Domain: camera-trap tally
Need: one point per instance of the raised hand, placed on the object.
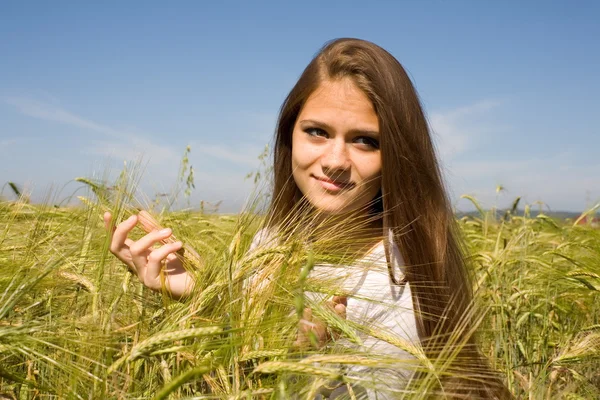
(157, 268)
(312, 326)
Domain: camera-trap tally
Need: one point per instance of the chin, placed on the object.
(331, 206)
(331, 210)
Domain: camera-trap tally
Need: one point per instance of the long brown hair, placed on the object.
(415, 204)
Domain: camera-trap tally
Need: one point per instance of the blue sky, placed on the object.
(510, 88)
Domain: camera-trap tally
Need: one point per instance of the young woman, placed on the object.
(353, 144)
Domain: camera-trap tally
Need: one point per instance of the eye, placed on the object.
(367, 141)
(316, 132)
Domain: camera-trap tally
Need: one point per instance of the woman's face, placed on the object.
(336, 160)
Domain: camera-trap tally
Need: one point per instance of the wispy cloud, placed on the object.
(562, 180)
(457, 130)
(113, 142)
(50, 112)
(4, 144)
(126, 145)
(245, 156)
(559, 180)
(160, 162)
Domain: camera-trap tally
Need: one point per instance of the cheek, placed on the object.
(299, 164)
(295, 150)
(372, 179)
(303, 154)
(371, 170)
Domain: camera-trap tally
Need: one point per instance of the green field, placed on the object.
(75, 324)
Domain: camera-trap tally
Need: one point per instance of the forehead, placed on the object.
(340, 100)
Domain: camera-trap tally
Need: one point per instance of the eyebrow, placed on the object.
(328, 127)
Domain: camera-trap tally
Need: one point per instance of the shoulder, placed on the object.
(381, 302)
(264, 237)
(386, 253)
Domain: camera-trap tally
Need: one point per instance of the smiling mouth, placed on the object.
(332, 185)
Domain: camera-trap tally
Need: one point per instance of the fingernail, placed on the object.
(165, 231)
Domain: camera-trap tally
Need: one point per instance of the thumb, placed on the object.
(107, 217)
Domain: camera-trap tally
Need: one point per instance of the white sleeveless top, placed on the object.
(374, 301)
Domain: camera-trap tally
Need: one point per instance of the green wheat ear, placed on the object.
(73, 320)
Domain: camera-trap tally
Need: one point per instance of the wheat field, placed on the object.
(75, 324)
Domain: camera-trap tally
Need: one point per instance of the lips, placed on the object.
(333, 185)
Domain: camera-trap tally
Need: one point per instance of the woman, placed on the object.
(353, 144)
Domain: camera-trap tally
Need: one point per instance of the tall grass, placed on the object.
(540, 279)
(75, 324)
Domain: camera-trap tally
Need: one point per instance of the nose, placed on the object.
(336, 157)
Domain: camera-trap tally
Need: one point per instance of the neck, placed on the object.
(353, 233)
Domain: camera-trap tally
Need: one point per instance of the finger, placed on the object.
(151, 239)
(301, 340)
(172, 257)
(305, 324)
(154, 265)
(340, 310)
(107, 218)
(307, 314)
(121, 232)
(340, 300)
(143, 247)
(312, 330)
(320, 332)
